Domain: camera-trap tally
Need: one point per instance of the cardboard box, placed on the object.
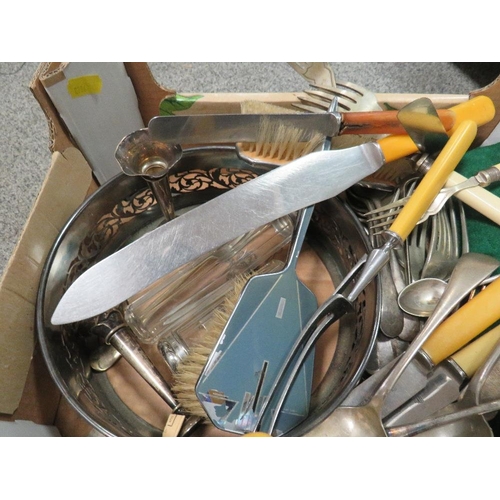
(27, 389)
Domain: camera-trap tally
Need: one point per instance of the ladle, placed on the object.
(366, 420)
(420, 297)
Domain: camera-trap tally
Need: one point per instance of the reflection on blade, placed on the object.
(303, 182)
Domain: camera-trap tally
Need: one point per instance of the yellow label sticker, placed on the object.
(84, 85)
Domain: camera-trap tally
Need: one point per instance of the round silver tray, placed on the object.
(122, 210)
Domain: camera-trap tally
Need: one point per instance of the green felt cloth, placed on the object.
(484, 235)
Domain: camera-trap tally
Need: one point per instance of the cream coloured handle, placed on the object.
(473, 355)
(474, 317)
(478, 198)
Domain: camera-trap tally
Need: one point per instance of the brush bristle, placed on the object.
(278, 143)
(392, 174)
(191, 366)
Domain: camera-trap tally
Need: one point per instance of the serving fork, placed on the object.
(320, 76)
(351, 97)
(388, 212)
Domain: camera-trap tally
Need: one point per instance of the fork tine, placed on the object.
(382, 219)
(380, 232)
(310, 102)
(307, 108)
(322, 96)
(328, 92)
(425, 217)
(383, 216)
(352, 86)
(388, 206)
(385, 223)
(351, 97)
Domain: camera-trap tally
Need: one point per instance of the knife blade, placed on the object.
(221, 128)
(224, 128)
(303, 182)
(455, 332)
(446, 380)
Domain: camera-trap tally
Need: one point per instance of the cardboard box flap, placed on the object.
(149, 92)
(59, 136)
(98, 105)
(64, 189)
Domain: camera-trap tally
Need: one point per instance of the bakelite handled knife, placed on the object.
(294, 186)
(468, 322)
(445, 381)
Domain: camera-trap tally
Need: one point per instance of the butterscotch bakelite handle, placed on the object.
(434, 179)
(480, 110)
(473, 355)
(387, 122)
(473, 318)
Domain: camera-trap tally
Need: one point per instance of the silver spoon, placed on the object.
(411, 324)
(420, 297)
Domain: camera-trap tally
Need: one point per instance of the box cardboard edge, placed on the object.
(19, 282)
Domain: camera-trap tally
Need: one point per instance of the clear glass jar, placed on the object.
(183, 298)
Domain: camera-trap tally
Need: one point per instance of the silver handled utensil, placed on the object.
(446, 381)
(431, 423)
(112, 329)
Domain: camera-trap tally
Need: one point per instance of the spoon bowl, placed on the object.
(356, 421)
(420, 297)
